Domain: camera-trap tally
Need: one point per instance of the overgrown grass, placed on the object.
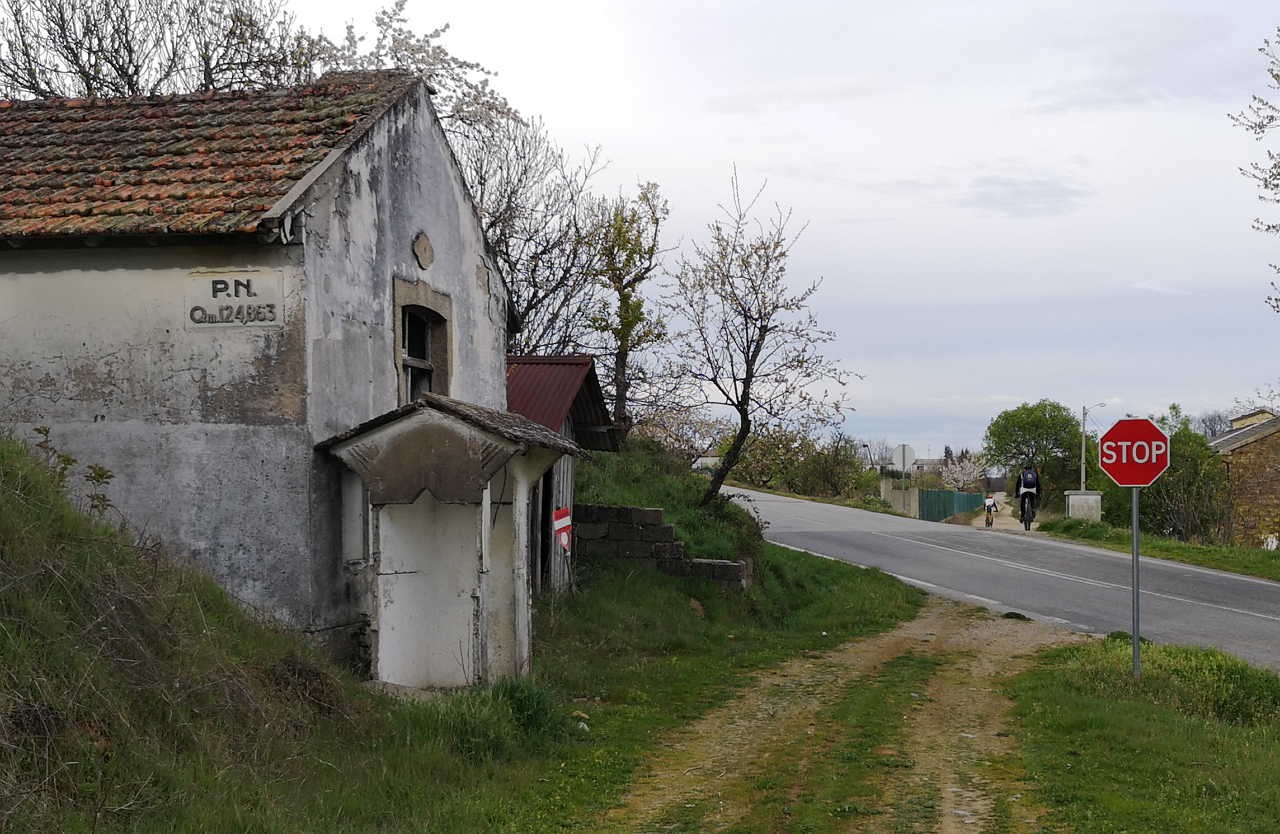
(643, 475)
(1246, 560)
(136, 696)
(1192, 747)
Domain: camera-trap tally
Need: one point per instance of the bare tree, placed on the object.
(106, 48)
(1260, 118)
(544, 225)
(630, 254)
(750, 343)
(881, 451)
(463, 97)
(78, 48)
(1212, 423)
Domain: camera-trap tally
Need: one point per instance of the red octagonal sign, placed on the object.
(1134, 452)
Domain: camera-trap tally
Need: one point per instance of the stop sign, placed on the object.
(1134, 452)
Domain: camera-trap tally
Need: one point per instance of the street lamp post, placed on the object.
(1084, 433)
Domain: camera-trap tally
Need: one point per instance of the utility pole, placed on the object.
(1084, 433)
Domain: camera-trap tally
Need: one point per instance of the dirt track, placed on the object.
(950, 748)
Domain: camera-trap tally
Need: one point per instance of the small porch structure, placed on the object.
(436, 533)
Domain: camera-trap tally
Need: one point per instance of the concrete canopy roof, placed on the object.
(448, 447)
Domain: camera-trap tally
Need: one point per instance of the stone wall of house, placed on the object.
(1255, 491)
(640, 535)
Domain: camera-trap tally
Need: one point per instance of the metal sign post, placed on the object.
(1137, 639)
(1134, 453)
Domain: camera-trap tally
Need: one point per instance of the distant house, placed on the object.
(1251, 450)
(563, 394)
(273, 315)
(927, 465)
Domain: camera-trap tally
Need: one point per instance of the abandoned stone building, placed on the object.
(273, 315)
(1251, 451)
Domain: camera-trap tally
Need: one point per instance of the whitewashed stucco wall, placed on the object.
(204, 427)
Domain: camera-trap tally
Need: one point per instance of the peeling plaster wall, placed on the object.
(204, 428)
(359, 223)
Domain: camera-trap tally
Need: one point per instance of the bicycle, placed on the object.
(1027, 513)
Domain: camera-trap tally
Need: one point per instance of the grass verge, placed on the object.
(1192, 747)
(1264, 564)
(136, 696)
(870, 503)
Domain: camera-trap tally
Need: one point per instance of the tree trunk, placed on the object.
(729, 460)
(621, 390)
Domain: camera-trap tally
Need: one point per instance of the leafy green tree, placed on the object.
(628, 256)
(1189, 501)
(1044, 433)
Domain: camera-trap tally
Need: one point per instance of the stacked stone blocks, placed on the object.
(640, 534)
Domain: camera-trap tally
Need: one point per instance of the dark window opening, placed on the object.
(415, 357)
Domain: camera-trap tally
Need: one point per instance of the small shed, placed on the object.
(562, 393)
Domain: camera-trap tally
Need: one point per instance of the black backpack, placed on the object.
(1030, 480)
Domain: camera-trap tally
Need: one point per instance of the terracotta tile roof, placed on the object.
(192, 164)
(549, 389)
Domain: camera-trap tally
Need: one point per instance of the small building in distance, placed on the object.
(1251, 451)
(923, 466)
(274, 316)
(563, 394)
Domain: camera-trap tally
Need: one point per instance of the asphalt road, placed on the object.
(1082, 588)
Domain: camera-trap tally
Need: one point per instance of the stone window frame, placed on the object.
(410, 297)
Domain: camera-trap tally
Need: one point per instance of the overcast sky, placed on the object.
(1007, 199)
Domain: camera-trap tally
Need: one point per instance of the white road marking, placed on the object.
(1089, 550)
(1083, 580)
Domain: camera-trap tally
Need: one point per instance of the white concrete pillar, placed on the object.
(480, 633)
(520, 570)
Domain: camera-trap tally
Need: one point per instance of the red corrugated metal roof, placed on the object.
(546, 388)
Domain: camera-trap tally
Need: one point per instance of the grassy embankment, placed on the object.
(1193, 747)
(135, 695)
(870, 503)
(1247, 560)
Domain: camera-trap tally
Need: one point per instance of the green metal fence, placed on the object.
(937, 504)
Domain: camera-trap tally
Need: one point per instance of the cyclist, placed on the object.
(1028, 495)
(990, 504)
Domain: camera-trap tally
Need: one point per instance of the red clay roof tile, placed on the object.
(207, 163)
